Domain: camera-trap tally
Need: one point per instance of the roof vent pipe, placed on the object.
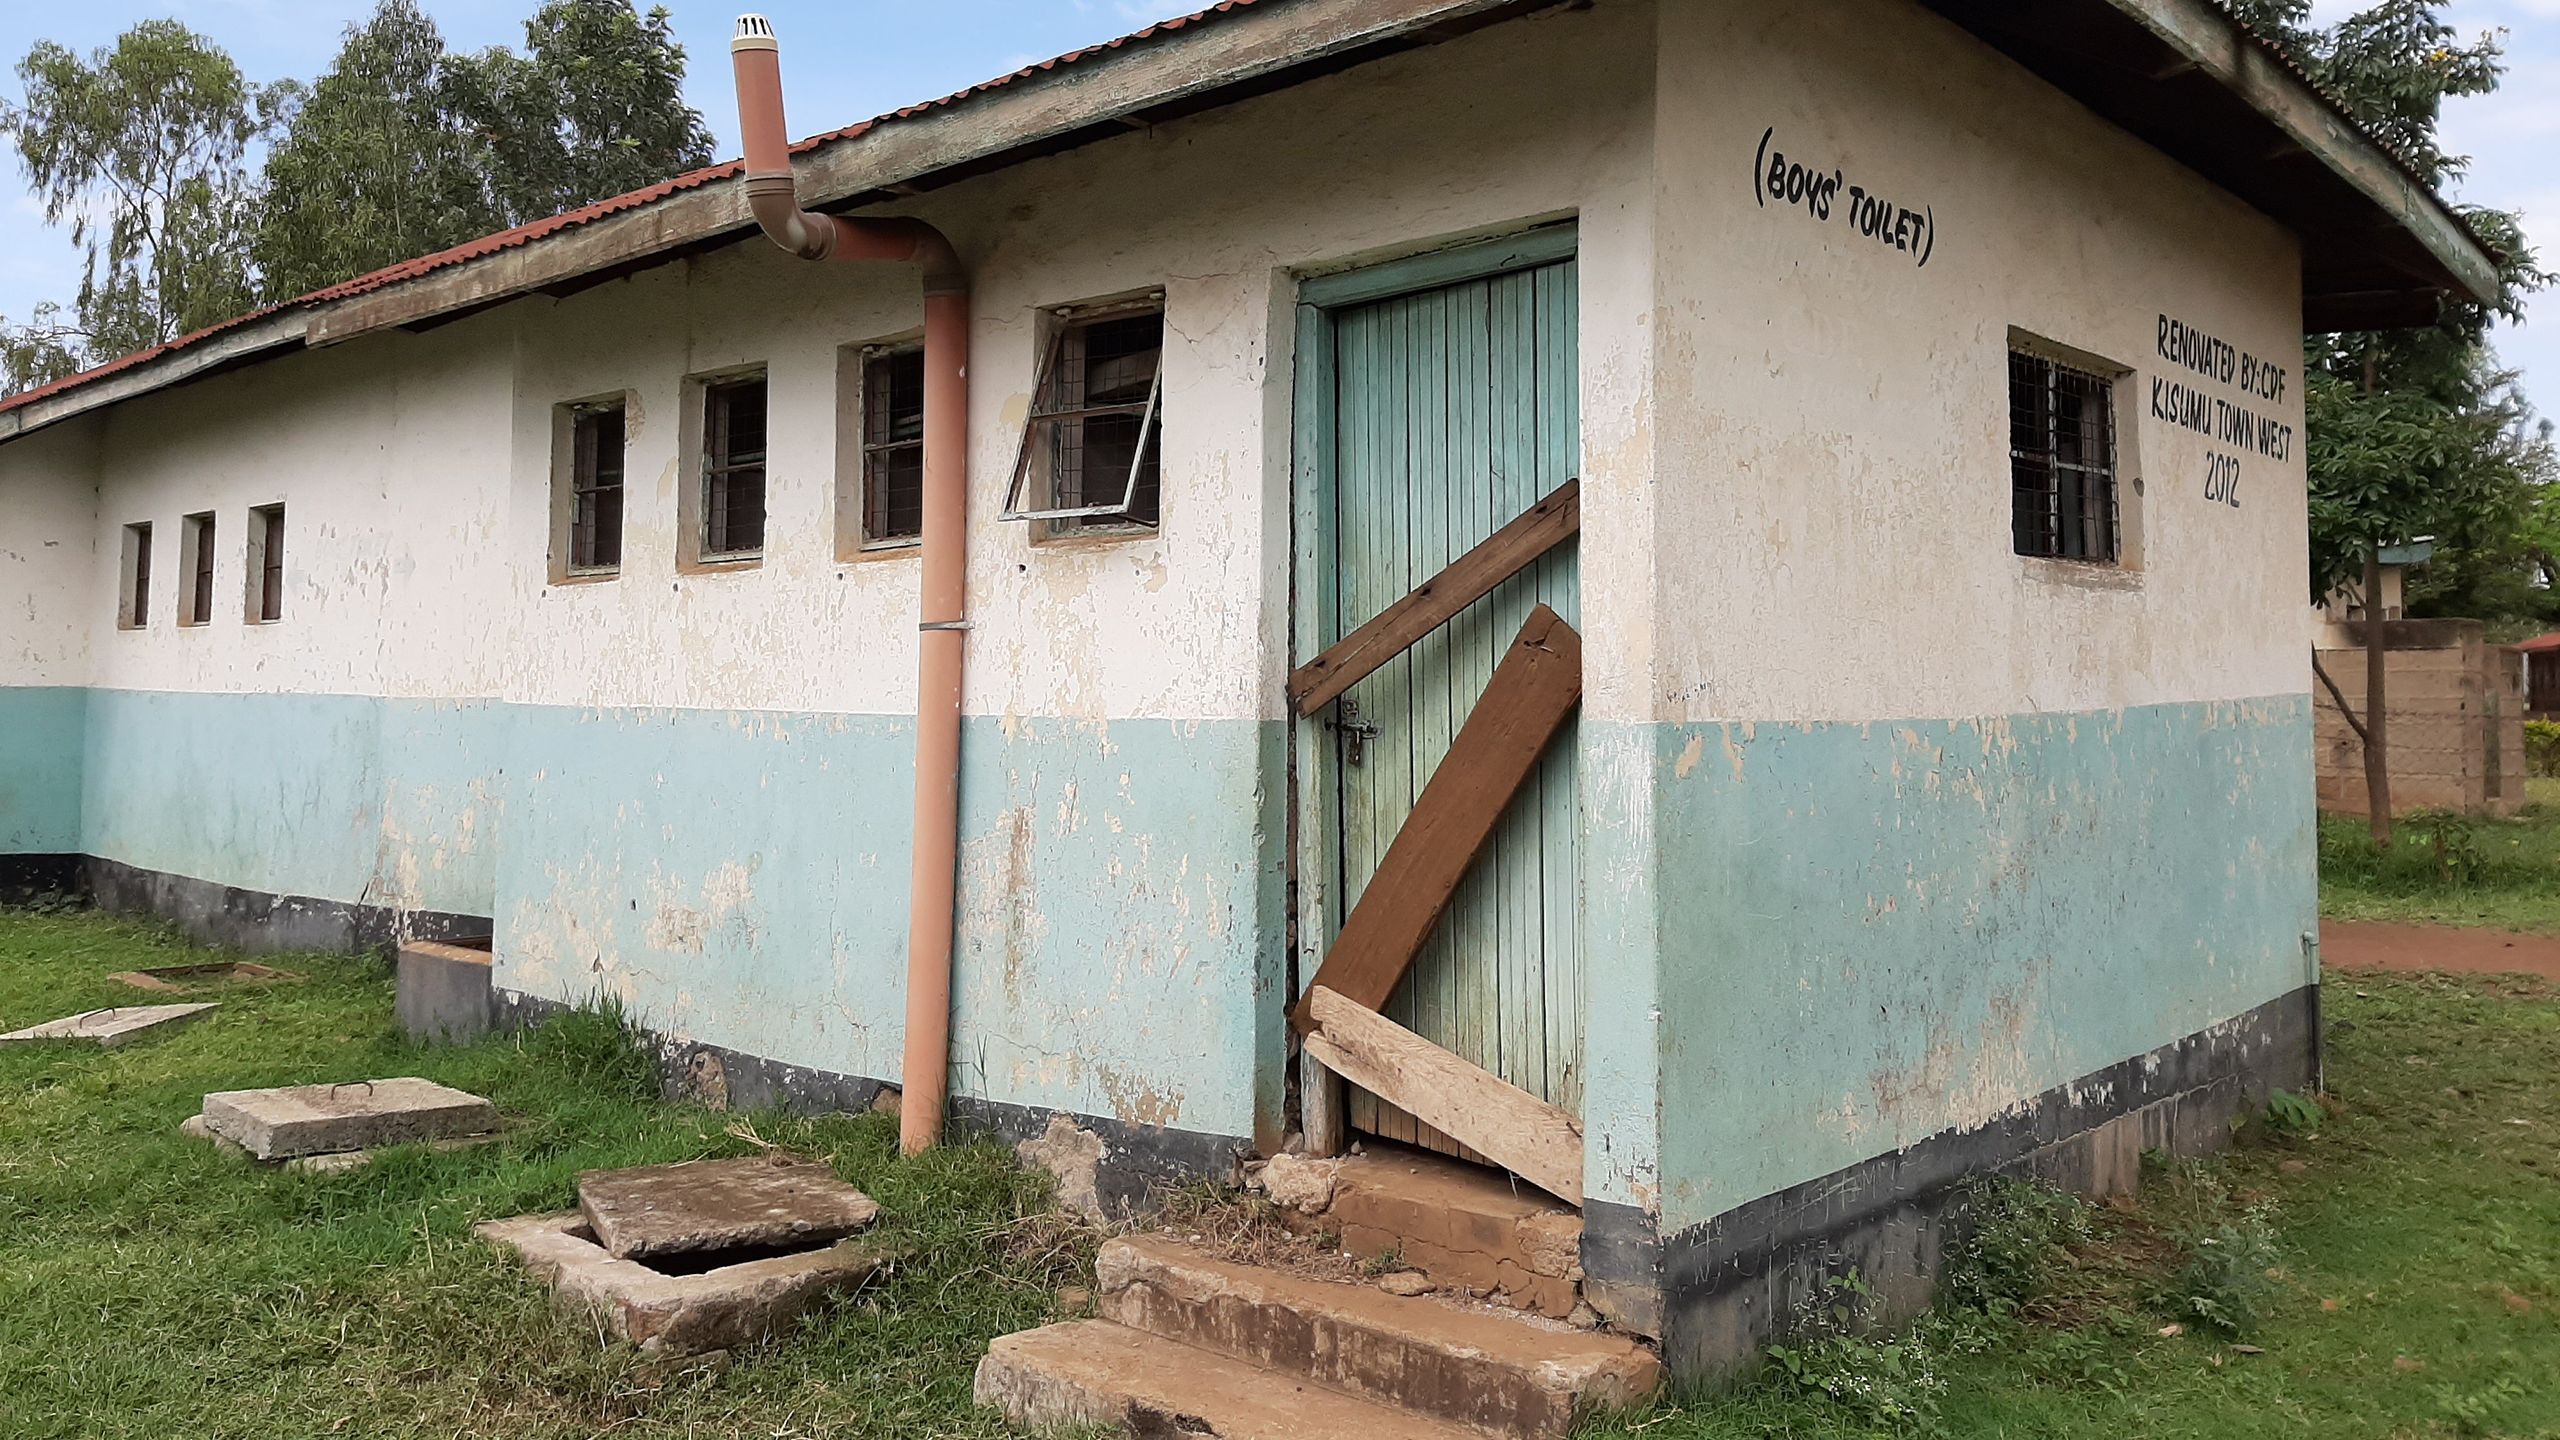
(773, 195)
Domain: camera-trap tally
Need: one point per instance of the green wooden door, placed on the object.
(1453, 409)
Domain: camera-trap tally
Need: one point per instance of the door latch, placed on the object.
(1354, 734)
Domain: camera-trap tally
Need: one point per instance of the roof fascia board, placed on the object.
(269, 333)
(2204, 35)
(1186, 64)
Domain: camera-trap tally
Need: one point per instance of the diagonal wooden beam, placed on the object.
(1532, 691)
(1500, 1121)
(1504, 553)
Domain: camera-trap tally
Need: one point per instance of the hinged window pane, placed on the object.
(1091, 450)
(595, 488)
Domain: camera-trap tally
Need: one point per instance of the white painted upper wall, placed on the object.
(416, 469)
(1795, 473)
(48, 551)
(1833, 530)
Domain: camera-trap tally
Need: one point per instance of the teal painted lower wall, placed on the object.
(339, 797)
(1869, 933)
(40, 761)
(1806, 945)
(740, 878)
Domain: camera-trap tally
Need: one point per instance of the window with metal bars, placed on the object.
(2062, 460)
(733, 473)
(1091, 449)
(596, 435)
(198, 555)
(892, 446)
(133, 604)
(266, 563)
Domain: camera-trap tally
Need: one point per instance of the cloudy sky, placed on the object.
(890, 52)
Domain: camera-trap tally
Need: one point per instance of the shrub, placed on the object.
(2542, 747)
(1890, 1385)
(2014, 1240)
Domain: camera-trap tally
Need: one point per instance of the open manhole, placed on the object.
(181, 977)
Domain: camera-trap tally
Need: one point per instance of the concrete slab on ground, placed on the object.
(112, 1027)
(195, 1128)
(681, 1314)
(331, 1119)
(707, 1205)
(1093, 1372)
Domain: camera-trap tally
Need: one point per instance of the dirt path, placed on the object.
(2380, 945)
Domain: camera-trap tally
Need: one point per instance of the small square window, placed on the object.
(596, 448)
(2062, 461)
(892, 446)
(133, 592)
(195, 562)
(266, 564)
(1092, 448)
(733, 469)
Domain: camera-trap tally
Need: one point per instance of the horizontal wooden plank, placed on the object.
(1532, 691)
(1467, 579)
(1506, 1124)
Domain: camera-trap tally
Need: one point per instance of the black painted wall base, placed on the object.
(1717, 1293)
(213, 914)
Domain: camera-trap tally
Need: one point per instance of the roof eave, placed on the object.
(2381, 249)
(1248, 50)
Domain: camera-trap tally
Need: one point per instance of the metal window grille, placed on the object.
(140, 594)
(595, 488)
(270, 577)
(733, 471)
(2062, 460)
(893, 445)
(1091, 449)
(200, 580)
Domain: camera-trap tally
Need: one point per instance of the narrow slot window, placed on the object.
(266, 564)
(1092, 449)
(196, 561)
(133, 597)
(893, 447)
(733, 472)
(596, 438)
(2062, 461)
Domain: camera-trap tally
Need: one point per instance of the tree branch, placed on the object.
(2352, 722)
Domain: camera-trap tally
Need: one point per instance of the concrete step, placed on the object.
(1460, 1224)
(1092, 1372)
(1472, 1364)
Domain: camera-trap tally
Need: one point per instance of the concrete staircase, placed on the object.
(1190, 1344)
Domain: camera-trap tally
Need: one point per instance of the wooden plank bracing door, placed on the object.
(1452, 410)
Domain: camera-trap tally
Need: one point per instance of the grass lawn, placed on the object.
(2501, 873)
(150, 1286)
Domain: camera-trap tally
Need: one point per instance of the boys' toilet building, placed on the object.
(1940, 795)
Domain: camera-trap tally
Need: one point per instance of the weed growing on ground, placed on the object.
(2448, 867)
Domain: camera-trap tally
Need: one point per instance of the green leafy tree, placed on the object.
(405, 147)
(139, 149)
(594, 107)
(378, 161)
(2408, 431)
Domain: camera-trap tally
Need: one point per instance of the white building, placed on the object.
(1940, 795)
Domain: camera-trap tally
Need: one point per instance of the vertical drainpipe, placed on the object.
(942, 603)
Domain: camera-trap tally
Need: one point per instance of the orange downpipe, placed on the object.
(942, 609)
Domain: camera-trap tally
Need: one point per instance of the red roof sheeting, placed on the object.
(2540, 643)
(488, 245)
